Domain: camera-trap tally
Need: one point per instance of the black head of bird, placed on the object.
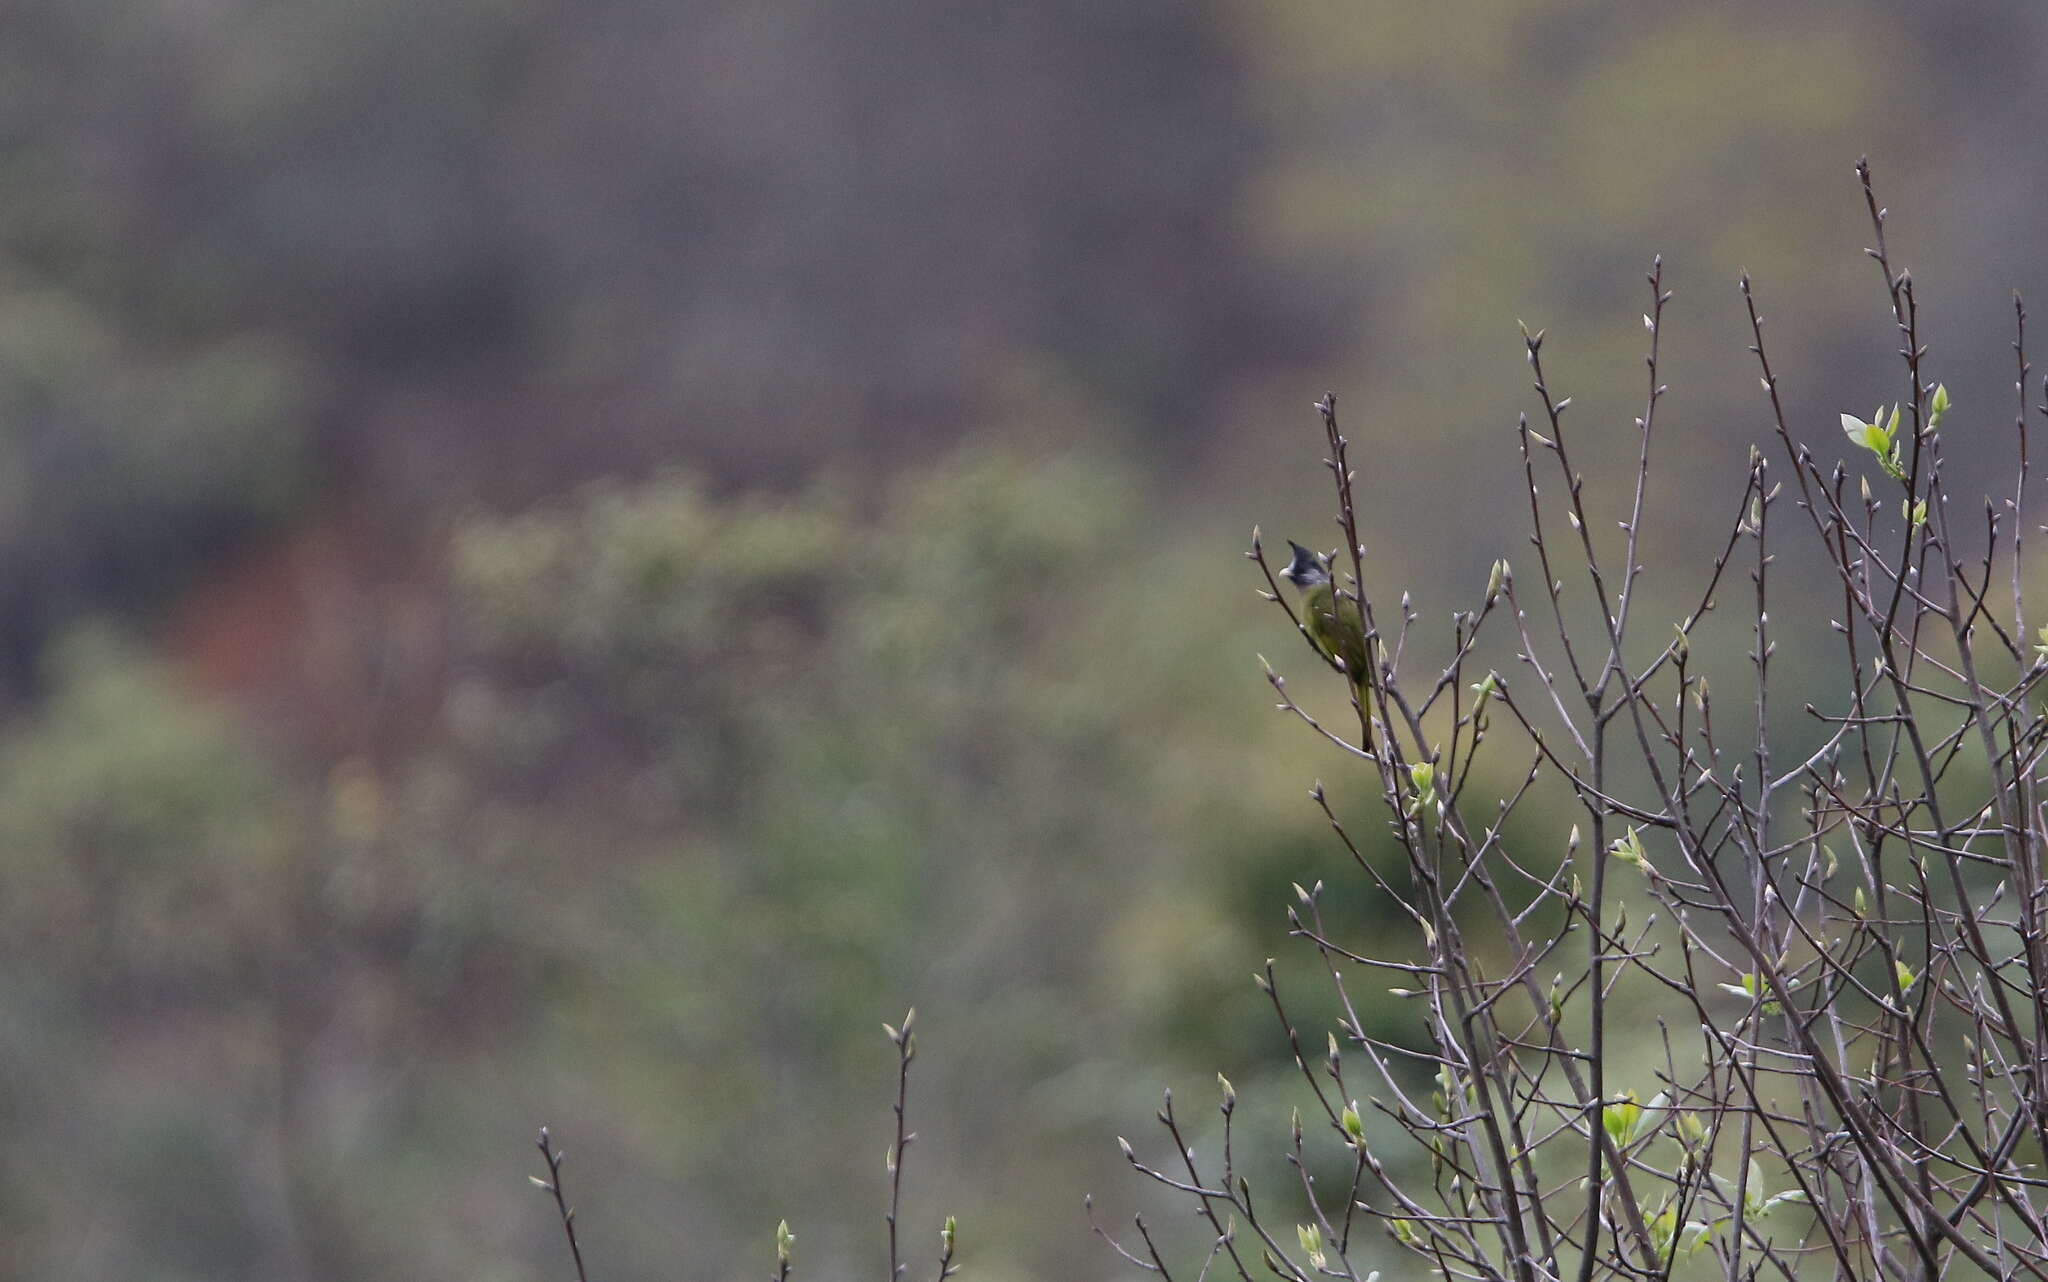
(1307, 569)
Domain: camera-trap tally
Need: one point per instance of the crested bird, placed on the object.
(1335, 631)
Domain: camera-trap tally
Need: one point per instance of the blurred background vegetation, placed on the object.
(562, 562)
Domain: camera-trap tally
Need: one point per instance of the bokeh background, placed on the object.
(561, 562)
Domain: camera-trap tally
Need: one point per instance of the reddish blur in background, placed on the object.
(561, 562)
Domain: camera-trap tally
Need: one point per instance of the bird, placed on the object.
(1336, 632)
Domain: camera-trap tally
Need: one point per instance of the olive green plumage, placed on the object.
(1334, 630)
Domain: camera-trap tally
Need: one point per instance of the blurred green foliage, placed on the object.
(146, 838)
(716, 786)
(125, 463)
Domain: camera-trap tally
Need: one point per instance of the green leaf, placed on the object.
(1621, 1119)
